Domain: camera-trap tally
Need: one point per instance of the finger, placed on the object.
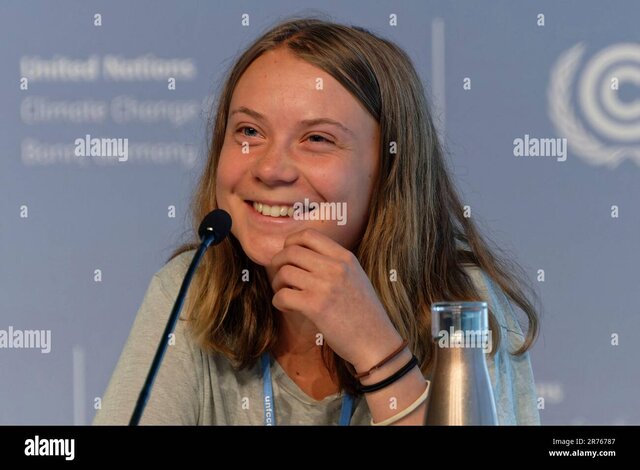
(292, 277)
(290, 300)
(299, 256)
(319, 243)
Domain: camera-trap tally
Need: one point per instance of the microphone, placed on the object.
(213, 229)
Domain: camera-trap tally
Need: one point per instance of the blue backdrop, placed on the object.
(81, 237)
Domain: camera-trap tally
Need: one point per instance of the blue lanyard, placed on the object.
(269, 411)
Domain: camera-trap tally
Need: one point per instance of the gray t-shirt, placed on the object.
(193, 387)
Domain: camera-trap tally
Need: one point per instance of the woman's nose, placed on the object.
(275, 166)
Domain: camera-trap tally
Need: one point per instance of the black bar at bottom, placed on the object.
(324, 445)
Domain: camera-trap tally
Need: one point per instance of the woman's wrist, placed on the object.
(398, 396)
(376, 350)
(388, 369)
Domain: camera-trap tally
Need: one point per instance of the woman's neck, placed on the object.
(299, 353)
(298, 336)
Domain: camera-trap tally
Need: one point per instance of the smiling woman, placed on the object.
(299, 149)
(302, 320)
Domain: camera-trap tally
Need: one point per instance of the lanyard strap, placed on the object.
(346, 410)
(267, 394)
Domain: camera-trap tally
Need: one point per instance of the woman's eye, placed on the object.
(323, 139)
(248, 131)
(242, 129)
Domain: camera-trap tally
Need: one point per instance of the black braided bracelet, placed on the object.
(389, 380)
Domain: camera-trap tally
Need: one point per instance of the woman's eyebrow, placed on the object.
(313, 122)
(307, 122)
(250, 112)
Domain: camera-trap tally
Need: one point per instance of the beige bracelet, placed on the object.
(421, 399)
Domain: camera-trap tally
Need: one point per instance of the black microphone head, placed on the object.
(216, 222)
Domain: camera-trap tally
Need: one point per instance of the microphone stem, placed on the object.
(171, 323)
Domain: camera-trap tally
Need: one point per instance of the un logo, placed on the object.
(588, 108)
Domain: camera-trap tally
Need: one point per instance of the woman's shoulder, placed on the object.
(499, 303)
(172, 273)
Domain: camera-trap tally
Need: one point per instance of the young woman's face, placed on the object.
(274, 156)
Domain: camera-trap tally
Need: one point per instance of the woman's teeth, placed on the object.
(273, 211)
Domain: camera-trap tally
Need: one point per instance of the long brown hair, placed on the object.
(416, 220)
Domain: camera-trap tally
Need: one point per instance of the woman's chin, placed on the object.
(262, 253)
